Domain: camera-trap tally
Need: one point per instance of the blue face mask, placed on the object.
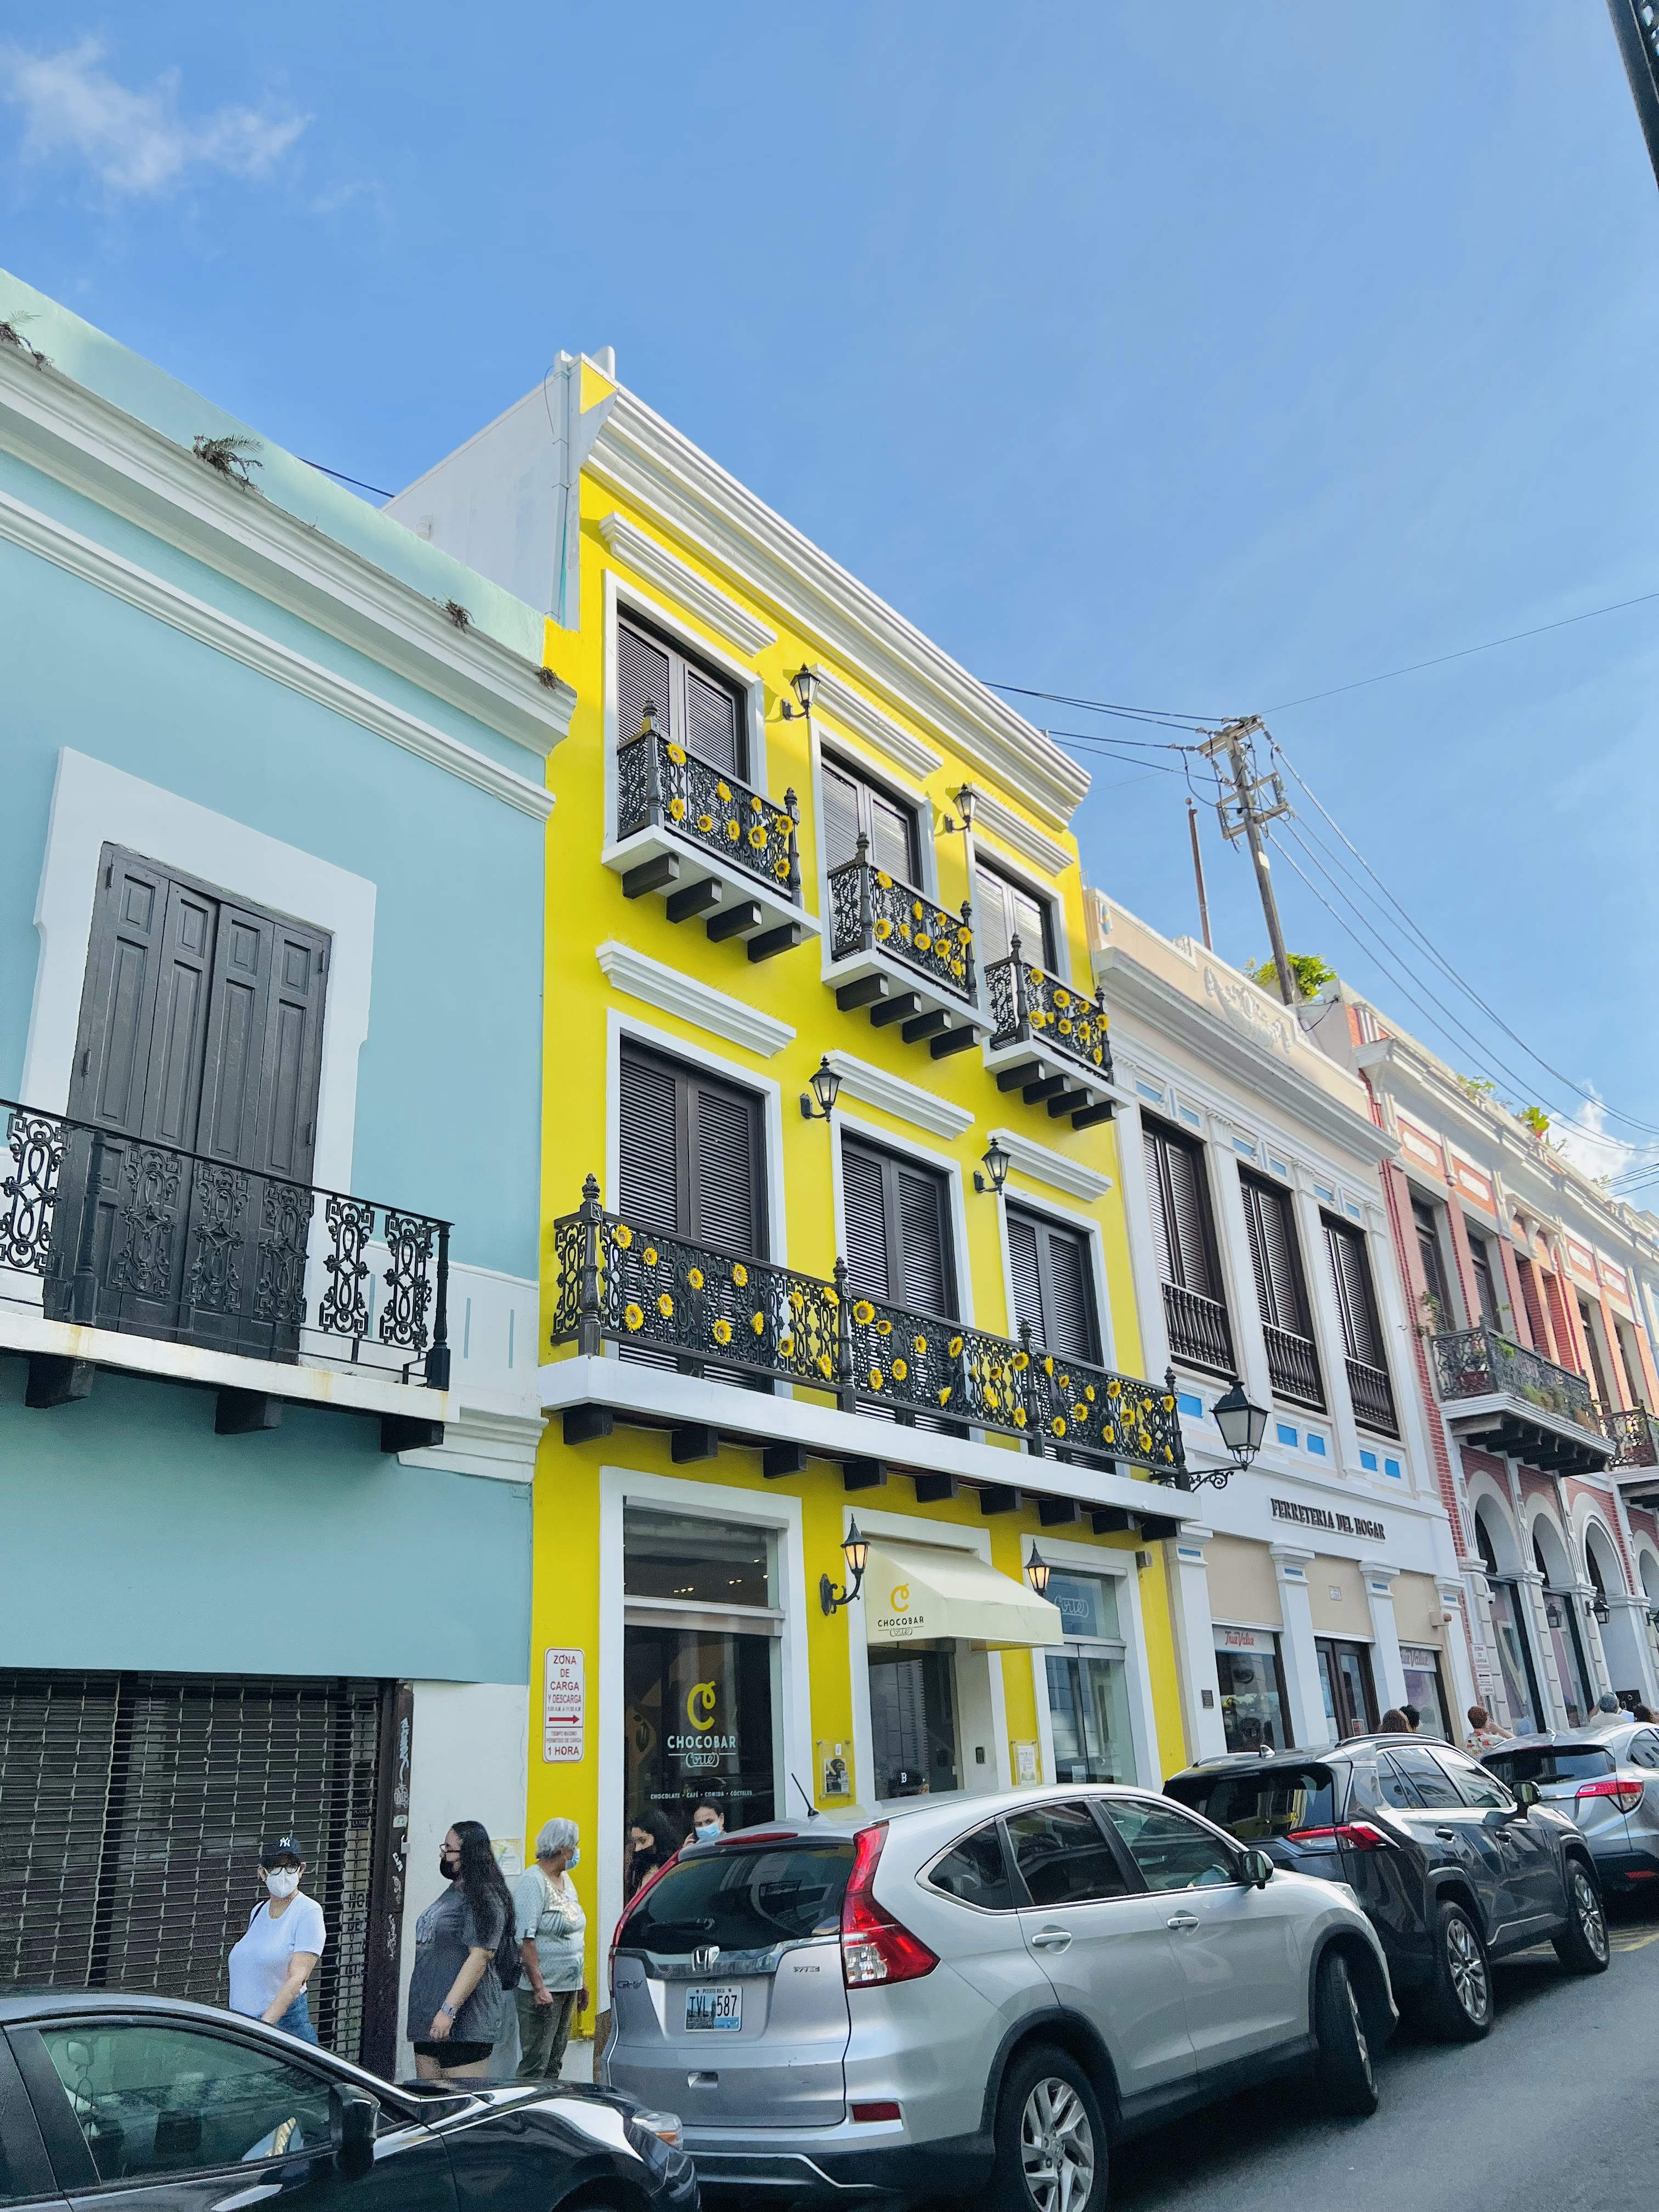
(575, 1853)
(707, 1832)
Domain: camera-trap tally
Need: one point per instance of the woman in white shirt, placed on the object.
(277, 1956)
(550, 1925)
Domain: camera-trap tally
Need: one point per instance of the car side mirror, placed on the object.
(1255, 1868)
(1527, 1795)
(354, 2114)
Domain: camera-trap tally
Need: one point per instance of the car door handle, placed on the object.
(1051, 1939)
(1181, 1920)
(1447, 1835)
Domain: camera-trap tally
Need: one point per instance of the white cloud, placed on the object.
(1591, 1147)
(134, 142)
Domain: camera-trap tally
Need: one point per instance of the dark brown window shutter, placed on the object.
(649, 1197)
(864, 1217)
(642, 681)
(1350, 1274)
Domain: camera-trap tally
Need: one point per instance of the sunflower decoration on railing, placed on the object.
(661, 782)
(1028, 1002)
(873, 910)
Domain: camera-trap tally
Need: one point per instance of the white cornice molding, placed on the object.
(95, 448)
(661, 471)
(712, 607)
(1030, 843)
(906, 1101)
(95, 564)
(1058, 1169)
(842, 704)
(705, 1008)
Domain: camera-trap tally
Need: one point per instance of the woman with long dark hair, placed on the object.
(458, 2009)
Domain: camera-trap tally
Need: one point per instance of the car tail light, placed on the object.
(883, 2111)
(1358, 1835)
(650, 1882)
(874, 1947)
(1625, 1791)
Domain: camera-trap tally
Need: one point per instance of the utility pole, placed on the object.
(1253, 800)
(1198, 875)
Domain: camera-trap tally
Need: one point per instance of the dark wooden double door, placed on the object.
(197, 1065)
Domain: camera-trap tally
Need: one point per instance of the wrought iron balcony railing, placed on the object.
(1372, 1393)
(1293, 1366)
(621, 1285)
(1198, 1327)
(1480, 1363)
(127, 1234)
(871, 911)
(661, 786)
(1030, 1006)
(1635, 1437)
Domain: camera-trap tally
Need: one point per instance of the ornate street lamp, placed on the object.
(826, 1088)
(856, 1549)
(996, 1162)
(804, 684)
(967, 800)
(1037, 1571)
(1242, 1426)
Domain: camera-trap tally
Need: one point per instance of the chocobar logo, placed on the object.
(699, 1705)
(899, 1596)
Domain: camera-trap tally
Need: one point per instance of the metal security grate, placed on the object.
(131, 1808)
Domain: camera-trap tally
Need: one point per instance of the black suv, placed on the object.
(1452, 1868)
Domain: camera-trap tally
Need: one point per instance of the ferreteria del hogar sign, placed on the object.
(1315, 1517)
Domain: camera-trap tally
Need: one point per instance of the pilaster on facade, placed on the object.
(1390, 1674)
(1201, 1689)
(1309, 1721)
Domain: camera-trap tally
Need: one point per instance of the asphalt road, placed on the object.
(1554, 2108)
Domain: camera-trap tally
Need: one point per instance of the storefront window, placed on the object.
(1420, 1664)
(913, 1728)
(1254, 1712)
(1088, 1694)
(690, 1560)
(1513, 1657)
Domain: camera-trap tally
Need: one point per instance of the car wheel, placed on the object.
(1457, 2004)
(1582, 1947)
(1347, 2079)
(1051, 2153)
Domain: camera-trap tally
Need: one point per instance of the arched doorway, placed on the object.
(1619, 1632)
(1506, 1602)
(1564, 1626)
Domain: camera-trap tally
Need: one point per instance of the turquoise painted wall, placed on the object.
(131, 1536)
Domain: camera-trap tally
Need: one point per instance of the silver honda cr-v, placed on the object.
(985, 1991)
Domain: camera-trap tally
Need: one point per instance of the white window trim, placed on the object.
(1094, 1559)
(93, 804)
(620, 1025)
(1085, 1225)
(887, 1141)
(793, 1720)
(1043, 895)
(877, 773)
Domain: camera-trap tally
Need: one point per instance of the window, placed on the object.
(1425, 1219)
(1255, 1713)
(1429, 1783)
(1183, 1236)
(1171, 1852)
(693, 1559)
(1530, 1300)
(1558, 1763)
(1088, 1690)
(1344, 1679)
(1281, 1294)
(1590, 1321)
(897, 1219)
(1392, 1786)
(695, 705)
(1260, 1809)
(1063, 1857)
(154, 2099)
(1421, 1665)
(1514, 1650)
(913, 1729)
(855, 807)
(1005, 910)
(1484, 1287)
(1644, 1751)
(1054, 1285)
(691, 1156)
(1565, 1639)
(975, 1872)
(1473, 1784)
(1629, 1359)
(1369, 1386)
(743, 1900)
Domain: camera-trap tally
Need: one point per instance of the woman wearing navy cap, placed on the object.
(277, 1956)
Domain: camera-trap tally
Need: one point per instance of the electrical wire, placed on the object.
(1166, 717)
(340, 477)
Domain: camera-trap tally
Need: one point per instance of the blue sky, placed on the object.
(1200, 359)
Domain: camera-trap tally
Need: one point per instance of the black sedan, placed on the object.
(162, 2106)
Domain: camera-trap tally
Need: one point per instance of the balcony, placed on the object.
(719, 854)
(1199, 1333)
(138, 1257)
(1293, 1367)
(898, 952)
(1635, 1436)
(1504, 1398)
(1049, 1041)
(706, 1312)
(1372, 1393)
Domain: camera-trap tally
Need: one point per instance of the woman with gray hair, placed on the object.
(551, 1926)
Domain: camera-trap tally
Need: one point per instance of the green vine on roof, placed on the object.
(1310, 973)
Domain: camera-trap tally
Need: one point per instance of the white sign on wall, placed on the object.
(564, 1705)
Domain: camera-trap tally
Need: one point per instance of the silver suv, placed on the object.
(985, 1991)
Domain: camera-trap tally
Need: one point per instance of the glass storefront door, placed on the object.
(912, 1728)
(1513, 1657)
(1255, 1713)
(1088, 1691)
(1344, 1678)
(1425, 1688)
(1567, 1642)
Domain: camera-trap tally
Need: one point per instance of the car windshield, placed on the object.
(1557, 1762)
(743, 1900)
(1260, 1806)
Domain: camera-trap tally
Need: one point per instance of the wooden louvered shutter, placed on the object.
(1535, 1312)
(1024, 1268)
(650, 1148)
(840, 825)
(724, 1178)
(892, 837)
(1274, 1256)
(922, 1241)
(642, 680)
(990, 897)
(1161, 1202)
(713, 730)
(1070, 1322)
(1190, 1210)
(1350, 1274)
(864, 1215)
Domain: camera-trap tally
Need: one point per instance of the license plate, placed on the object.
(714, 2005)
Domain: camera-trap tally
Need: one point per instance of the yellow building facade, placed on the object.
(761, 1326)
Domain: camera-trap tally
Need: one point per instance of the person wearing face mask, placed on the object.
(650, 1845)
(705, 1824)
(272, 1964)
(549, 1922)
(458, 2008)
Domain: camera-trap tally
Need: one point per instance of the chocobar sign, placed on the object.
(1316, 1516)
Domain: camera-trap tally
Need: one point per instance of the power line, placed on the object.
(1167, 716)
(340, 477)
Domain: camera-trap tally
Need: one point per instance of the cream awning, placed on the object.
(924, 1593)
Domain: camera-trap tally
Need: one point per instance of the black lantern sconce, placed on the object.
(1553, 1613)
(1601, 1610)
(803, 683)
(967, 800)
(996, 1162)
(1242, 1426)
(1037, 1571)
(826, 1088)
(856, 1550)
